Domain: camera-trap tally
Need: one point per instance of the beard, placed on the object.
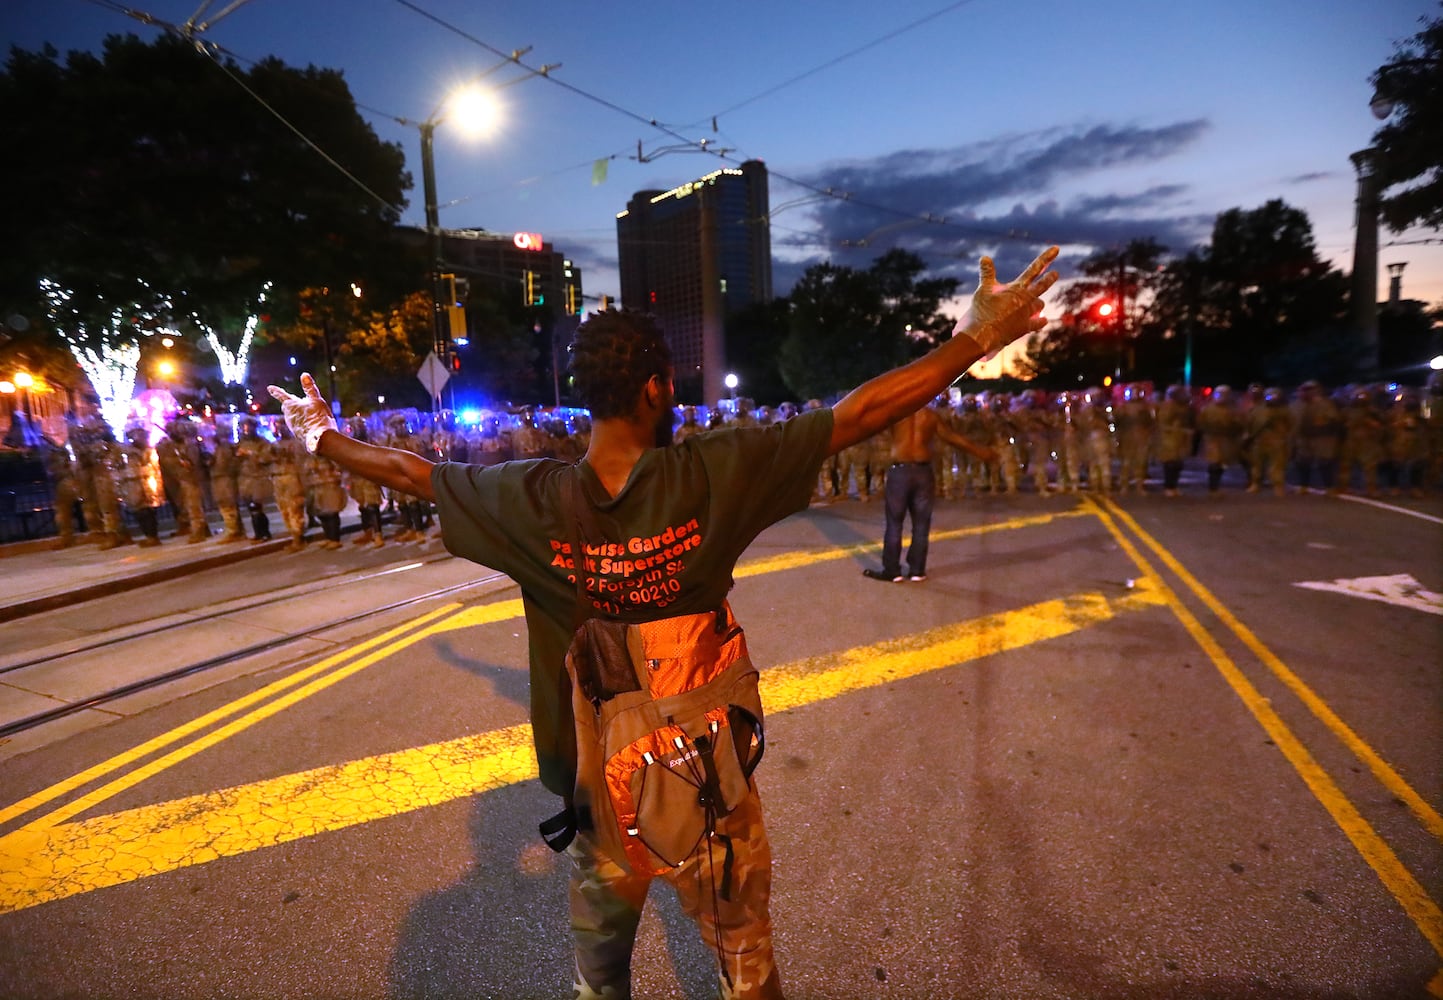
(666, 419)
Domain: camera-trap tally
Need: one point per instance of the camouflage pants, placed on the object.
(606, 904)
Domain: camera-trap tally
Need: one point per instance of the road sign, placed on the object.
(433, 375)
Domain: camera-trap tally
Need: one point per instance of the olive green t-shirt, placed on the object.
(667, 544)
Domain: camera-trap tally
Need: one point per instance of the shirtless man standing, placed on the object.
(911, 488)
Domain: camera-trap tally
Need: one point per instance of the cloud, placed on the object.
(1309, 178)
(1003, 196)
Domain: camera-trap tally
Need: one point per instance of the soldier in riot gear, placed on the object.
(1222, 430)
(1363, 445)
(168, 457)
(1175, 436)
(1136, 425)
(254, 453)
(1407, 443)
(188, 468)
(323, 487)
(688, 427)
(287, 458)
(367, 495)
(1094, 422)
(140, 484)
(1317, 432)
(225, 485)
(60, 470)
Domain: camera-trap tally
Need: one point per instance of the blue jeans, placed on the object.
(911, 488)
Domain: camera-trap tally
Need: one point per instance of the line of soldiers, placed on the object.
(107, 478)
(1106, 440)
(1366, 436)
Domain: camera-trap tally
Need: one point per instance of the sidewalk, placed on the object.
(40, 576)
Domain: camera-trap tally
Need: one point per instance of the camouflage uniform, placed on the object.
(1068, 442)
(1363, 443)
(1407, 443)
(224, 473)
(81, 441)
(415, 512)
(1271, 428)
(852, 461)
(1317, 431)
(1175, 433)
(1094, 424)
(1222, 435)
(688, 426)
(288, 456)
(140, 485)
(1136, 425)
(973, 425)
(323, 487)
(188, 460)
(254, 481)
(61, 472)
(529, 441)
(879, 456)
(1003, 441)
(606, 907)
(168, 457)
(105, 460)
(367, 495)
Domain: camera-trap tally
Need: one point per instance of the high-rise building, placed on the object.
(692, 255)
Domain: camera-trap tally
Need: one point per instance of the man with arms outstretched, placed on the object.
(674, 520)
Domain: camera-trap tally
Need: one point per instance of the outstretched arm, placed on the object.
(310, 420)
(999, 315)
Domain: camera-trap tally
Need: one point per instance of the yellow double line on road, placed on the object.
(51, 858)
(1410, 894)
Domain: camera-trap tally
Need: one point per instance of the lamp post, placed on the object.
(433, 229)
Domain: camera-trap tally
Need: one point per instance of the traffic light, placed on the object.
(535, 296)
(571, 300)
(455, 363)
(605, 303)
(447, 294)
(1103, 311)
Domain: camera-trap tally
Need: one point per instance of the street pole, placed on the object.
(433, 231)
(1363, 295)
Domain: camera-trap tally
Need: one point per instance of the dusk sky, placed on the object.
(1083, 123)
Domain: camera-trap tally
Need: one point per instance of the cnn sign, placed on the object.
(527, 241)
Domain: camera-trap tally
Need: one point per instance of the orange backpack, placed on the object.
(668, 731)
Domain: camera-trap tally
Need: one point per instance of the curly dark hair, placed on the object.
(613, 356)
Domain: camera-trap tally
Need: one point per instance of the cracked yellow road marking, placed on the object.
(47, 861)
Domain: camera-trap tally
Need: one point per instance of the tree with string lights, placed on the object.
(161, 190)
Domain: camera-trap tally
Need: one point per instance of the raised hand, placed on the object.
(308, 417)
(1001, 313)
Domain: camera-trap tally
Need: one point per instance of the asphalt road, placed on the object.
(1107, 750)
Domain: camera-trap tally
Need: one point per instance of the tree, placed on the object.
(161, 192)
(1408, 153)
(1269, 309)
(754, 338)
(847, 325)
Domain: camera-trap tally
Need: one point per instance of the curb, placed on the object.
(123, 583)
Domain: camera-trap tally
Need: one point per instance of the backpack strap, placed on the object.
(559, 831)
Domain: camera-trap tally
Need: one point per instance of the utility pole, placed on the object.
(439, 336)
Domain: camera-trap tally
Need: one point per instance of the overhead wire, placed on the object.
(724, 155)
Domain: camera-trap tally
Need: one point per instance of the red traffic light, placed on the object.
(1104, 309)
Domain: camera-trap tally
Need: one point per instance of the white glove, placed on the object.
(1001, 313)
(308, 417)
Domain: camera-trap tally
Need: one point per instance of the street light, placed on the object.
(731, 381)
